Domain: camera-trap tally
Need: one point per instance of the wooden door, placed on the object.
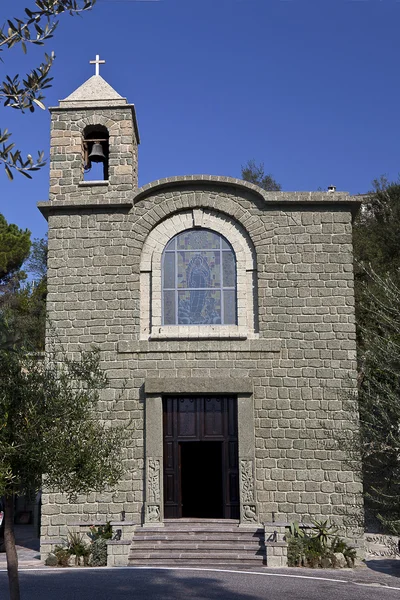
(201, 457)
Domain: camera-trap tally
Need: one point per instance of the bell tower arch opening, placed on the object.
(96, 152)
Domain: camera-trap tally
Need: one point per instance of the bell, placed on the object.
(97, 154)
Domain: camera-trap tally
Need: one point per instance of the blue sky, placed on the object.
(309, 87)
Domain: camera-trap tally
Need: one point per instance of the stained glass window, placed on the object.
(199, 280)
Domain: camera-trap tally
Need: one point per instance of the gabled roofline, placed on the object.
(268, 197)
(310, 199)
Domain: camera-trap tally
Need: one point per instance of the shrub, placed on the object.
(51, 560)
(295, 552)
(101, 532)
(62, 555)
(99, 553)
(78, 547)
(305, 550)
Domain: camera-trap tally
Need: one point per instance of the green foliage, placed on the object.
(77, 547)
(254, 173)
(51, 560)
(308, 550)
(23, 316)
(295, 552)
(339, 545)
(378, 440)
(49, 426)
(37, 261)
(376, 240)
(377, 229)
(98, 553)
(62, 555)
(101, 532)
(323, 531)
(22, 305)
(295, 530)
(25, 94)
(94, 554)
(15, 245)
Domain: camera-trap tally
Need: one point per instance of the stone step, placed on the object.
(206, 562)
(168, 530)
(190, 536)
(187, 555)
(206, 545)
(193, 542)
(191, 521)
(196, 547)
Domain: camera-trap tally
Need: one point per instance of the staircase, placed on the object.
(198, 542)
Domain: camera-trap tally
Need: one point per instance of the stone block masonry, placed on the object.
(66, 156)
(295, 347)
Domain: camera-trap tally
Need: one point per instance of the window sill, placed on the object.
(168, 345)
(202, 332)
(94, 183)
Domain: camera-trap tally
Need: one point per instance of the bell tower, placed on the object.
(94, 145)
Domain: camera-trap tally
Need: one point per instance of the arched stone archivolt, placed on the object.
(97, 119)
(206, 200)
(151, 285)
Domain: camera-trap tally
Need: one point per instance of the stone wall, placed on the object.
(66, 155)
(299, 355)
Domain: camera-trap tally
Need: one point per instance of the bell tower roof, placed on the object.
(94, 92)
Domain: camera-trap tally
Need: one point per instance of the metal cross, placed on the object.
(97, 62)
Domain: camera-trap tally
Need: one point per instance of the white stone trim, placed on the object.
(150, 277)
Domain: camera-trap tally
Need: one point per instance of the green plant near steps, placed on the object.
(295, 552)
(308, 550)
(339, 545)
(62, 555)
(99, 553)
(101, 532)
(324, 531)
(76, 546)
(295, 530)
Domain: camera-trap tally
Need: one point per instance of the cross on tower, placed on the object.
(97, 62)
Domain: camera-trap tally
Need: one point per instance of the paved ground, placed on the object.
(381, 578)
(161, 584)
(27, 547)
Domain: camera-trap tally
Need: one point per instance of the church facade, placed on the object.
(225, 319)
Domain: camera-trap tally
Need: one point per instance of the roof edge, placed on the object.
(269, 197)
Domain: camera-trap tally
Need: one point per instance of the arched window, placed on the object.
(199, 280)
(95, 153)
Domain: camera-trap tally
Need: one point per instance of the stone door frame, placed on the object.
(154, 485)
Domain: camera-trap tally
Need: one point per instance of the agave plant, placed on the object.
(295, 530)
(324, 531)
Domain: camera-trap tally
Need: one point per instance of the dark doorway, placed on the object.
(201, 479)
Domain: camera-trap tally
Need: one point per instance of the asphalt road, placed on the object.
(160, 584)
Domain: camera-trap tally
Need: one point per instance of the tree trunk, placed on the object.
(11, 551)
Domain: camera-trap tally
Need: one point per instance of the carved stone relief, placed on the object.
(249, 508)
(153, 514)
(250, 513)
(153, 481)
(247, 481)
(153, 491)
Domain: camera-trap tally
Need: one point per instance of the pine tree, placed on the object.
(254, 173)
(15, 245)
